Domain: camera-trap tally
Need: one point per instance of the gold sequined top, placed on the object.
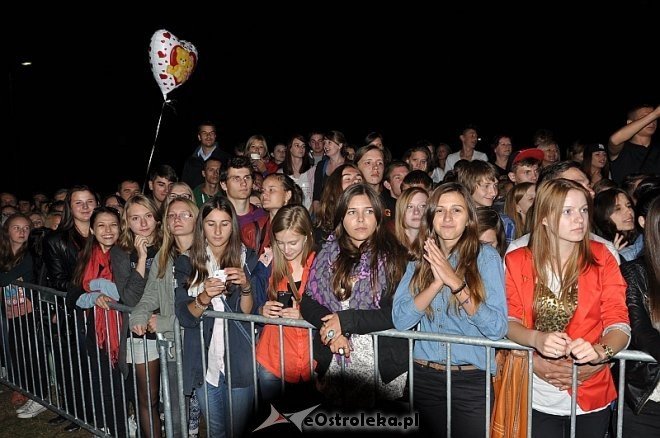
(551, 314)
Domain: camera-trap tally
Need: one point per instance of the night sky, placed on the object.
(410, 74)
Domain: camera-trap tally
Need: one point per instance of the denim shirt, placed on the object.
(489, 321)
(631, 252)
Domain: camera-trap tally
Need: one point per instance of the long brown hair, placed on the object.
(652, 257)
(330, 196)
(467, 249)
(234, 249)
(544, 243)
(8, 259)
(295, 218)
(511, 207)
(380, 244)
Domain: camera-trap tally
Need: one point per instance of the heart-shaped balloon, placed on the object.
(172, 60)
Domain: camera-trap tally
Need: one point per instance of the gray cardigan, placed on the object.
(130, 285)
(158, 294)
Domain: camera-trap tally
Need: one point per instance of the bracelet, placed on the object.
(247, 291)
(199, 304)
(609, 352)
(460, 288)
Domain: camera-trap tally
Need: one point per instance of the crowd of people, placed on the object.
(557, 255)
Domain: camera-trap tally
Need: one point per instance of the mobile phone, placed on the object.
(220, 273)
(255, 156)
(286, 298)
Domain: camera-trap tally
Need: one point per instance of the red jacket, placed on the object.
(296, 342)
(601, 303)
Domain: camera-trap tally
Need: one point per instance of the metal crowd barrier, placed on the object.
(48, 306)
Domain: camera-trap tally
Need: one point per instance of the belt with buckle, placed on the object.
(443, 367)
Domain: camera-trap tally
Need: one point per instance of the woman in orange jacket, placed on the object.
(292, 259)
(566, 299)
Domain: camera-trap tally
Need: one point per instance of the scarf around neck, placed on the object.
(99, 267)
(363, 296)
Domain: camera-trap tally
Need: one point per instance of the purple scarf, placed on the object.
(362, 296)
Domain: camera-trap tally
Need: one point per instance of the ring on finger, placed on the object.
(330, 334)
(341, 351)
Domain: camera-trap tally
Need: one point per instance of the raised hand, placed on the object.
(140, 243)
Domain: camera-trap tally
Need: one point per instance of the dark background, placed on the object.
(409, 72)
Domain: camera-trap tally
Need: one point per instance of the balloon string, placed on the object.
(153, 147)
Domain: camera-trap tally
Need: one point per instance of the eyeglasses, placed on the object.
(237, 178)
(184, 215)
(179, 195)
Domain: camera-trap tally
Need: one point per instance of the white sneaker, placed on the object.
(32, 411)
(132, 427)
(24, 406)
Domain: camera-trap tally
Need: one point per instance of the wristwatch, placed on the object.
(609, 353)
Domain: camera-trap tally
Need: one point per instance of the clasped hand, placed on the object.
(443, 273)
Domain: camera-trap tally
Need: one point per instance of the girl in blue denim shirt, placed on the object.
(447, 292)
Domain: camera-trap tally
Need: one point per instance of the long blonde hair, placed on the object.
(168, 250)
(400, 219)
(467, 249)
(127, 236)
(295, 218)
(544, 242)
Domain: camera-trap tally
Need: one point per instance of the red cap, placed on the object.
(528, 153)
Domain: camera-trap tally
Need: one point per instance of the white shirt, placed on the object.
(452, 159)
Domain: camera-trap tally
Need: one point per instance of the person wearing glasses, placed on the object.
(179, 189)
(154, 313)
(208, 147)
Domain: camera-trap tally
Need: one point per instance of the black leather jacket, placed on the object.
(641, 377)
(392, 352)
(61, 250)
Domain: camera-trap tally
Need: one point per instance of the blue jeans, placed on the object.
(270, 386)
(217, 419)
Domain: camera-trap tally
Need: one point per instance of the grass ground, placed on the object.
(13, 427)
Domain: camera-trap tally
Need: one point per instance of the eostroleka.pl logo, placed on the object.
(308, 420)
